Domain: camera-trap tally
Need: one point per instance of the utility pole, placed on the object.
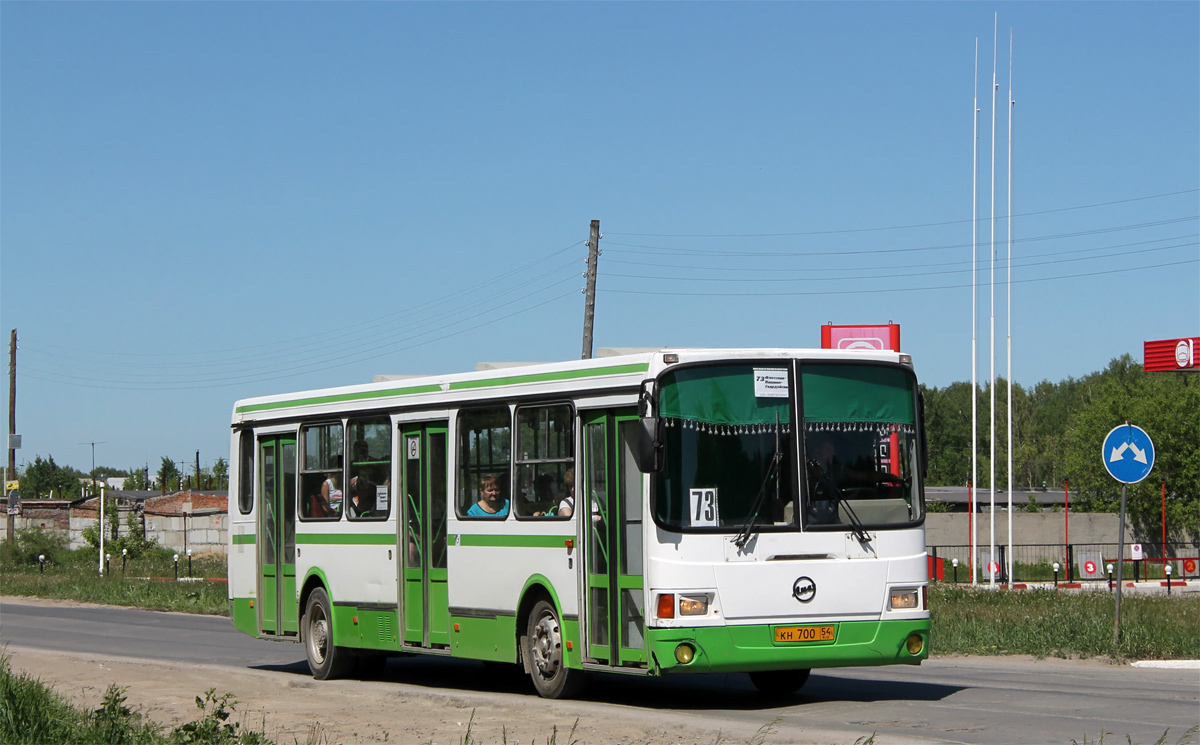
(589, 308)
(197, 469)
(93, 444)
(11, 468)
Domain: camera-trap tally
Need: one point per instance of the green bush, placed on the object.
(32, 713)
(30, 543)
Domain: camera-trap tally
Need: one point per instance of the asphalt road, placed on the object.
(986, 700)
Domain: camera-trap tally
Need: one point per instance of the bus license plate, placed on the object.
(804, 633)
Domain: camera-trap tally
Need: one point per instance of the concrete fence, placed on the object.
(187, 520)
(201, 531)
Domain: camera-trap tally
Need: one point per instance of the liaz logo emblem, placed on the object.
(804, 589)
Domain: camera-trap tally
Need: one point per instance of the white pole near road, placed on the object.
(1008, 354)
(975, 330)
(100, 526)
(992, 392)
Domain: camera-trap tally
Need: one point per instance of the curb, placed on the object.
(1169, 664)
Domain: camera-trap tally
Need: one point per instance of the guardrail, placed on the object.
(1077, 562)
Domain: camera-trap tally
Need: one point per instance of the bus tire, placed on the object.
(779, 683)
(325, 660)
(542, 649)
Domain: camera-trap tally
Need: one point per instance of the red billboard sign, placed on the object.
(1166, 355)
(878, 337)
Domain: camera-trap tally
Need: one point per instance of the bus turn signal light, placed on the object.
(666, 605)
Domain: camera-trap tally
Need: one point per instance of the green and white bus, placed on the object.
(752, 510)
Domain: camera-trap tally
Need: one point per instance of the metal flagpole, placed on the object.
(975, 325)
(1008, 354)
(992, 384)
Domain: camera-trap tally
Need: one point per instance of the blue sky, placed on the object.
(201, 202)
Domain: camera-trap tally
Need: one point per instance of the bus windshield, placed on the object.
(860, 446)
(729, 441)
(723, 426)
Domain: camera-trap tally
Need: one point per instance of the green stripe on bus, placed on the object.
(462, 385)
(346, 539)
(547, 377)
(338, 398)
(512, 541)
(243, 538)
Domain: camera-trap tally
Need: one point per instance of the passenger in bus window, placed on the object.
(492, 502)
(331, 493)
(362, 495)
(567, 506)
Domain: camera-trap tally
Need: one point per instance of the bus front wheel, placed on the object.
(325, 660)
(779, 682)
(542, 648)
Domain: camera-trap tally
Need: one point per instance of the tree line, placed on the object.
(1058, 431)
(44, 478)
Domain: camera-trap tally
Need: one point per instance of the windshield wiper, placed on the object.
(856, 525)
(743, 537)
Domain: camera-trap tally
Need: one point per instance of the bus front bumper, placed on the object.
(714, 649)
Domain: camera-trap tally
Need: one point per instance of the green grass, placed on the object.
(146, 581)
(1046, 623)
(33, 713)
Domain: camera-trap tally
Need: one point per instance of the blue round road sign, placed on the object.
(1128, 453)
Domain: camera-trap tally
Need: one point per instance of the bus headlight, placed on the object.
(693, 605)
(903, 600)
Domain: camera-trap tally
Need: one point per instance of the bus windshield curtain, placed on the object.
(720, 400)
(850, 397)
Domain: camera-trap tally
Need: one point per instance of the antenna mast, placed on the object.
(992, 483)
(1008, 324)
(975, 325)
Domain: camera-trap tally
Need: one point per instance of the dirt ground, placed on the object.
(290, 707)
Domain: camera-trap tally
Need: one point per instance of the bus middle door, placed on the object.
(426, 603)
(612, 496)
(278, 612)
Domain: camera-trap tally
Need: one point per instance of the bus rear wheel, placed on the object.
(778, 683)
(542, 649)
(325, 660)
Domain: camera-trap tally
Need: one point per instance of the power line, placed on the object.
(894, 266)
(889, 290)
(167, 385)
(903, 227)
(309, 340)
(1020, 265)
(668, 250)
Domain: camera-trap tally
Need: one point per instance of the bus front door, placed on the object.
(426, 603)
(611, 483)
(278, 614)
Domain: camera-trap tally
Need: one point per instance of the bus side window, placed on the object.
(545, 456)
(484, 458)
(368, 489)
(246, 472)
(321, 487)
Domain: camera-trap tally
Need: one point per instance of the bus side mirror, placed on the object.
(647, 451)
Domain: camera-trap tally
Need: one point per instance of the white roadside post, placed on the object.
(100, 529)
